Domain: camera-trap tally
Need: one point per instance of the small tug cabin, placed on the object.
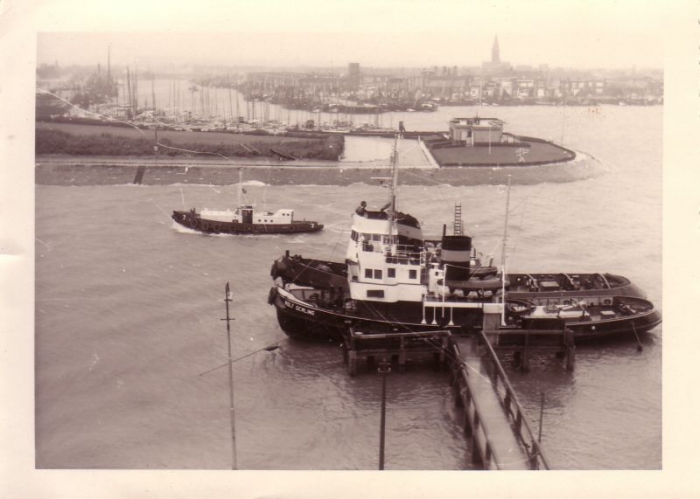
(279, 217)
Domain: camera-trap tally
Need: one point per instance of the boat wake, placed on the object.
(182, 229)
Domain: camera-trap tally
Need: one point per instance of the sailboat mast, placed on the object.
(230, 101)
(128, 88)
(238, 112)
(153, 91)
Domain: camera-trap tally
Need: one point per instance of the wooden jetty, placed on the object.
(494, 420)
(400, 347)
(500, 436)
(524, 342)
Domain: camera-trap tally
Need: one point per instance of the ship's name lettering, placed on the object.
(299, 308)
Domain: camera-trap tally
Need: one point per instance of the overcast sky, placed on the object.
(408, 33)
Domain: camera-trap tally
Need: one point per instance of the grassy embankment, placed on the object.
(86, 140)
(524, 151)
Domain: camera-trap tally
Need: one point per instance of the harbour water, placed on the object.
(128, 310)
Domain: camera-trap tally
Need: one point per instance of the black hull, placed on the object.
(593, 331)
(329, 325)
(324, 324)
(195, 222)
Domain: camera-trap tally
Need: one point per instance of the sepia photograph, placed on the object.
(359, 236)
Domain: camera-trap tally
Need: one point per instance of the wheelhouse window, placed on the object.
(373, 273)
(412, 274)
(391, 272)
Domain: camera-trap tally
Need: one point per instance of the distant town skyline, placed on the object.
(159, 49)
(381, 33)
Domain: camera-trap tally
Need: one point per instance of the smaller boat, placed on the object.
(244, 220)
(589, 319)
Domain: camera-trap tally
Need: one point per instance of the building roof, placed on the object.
(478, 121)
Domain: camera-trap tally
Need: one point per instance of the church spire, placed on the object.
(495, 51)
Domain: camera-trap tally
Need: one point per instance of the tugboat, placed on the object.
(244, 220)
(395, 280)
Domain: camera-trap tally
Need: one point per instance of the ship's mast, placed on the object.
(391, 212)
(394, 179)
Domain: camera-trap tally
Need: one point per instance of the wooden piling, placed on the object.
(524, 343)
(140, 171)
(401, 348)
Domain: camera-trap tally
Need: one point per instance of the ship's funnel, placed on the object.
(456, 254)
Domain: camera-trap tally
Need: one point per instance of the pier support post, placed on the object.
(402, 355)
(140, 171)
(477, 458)
(459, 402)
(570, 358)
(444, 345)
(352, 362)
(525, 360)
(384, 369)
(345, 353)
(570, 349)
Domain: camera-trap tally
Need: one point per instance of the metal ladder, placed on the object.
(458, 220)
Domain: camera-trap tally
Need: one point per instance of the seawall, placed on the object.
(84, 171)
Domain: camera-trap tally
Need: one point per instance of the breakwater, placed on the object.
(81, 171)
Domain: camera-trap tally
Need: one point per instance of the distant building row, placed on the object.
(449, 86)
(514, 87)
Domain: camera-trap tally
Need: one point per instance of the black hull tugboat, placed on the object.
(244, 220)
(395, 280)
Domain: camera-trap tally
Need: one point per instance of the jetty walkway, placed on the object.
(494, 422)
(501, 437)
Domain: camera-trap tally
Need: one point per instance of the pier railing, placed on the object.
(476, 425)
(501, 436)
(511, 405)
